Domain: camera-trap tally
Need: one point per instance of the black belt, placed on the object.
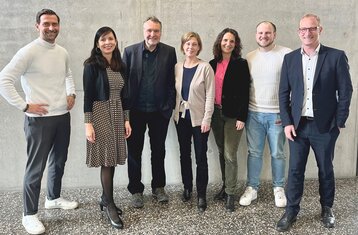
(307, 118)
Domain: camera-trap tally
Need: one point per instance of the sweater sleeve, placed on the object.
(70, 84)
(210, 94)
(9, 75)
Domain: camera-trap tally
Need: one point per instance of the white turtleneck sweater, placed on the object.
(265, 70)
(45, 77)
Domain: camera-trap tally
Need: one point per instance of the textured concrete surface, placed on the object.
(178, 217)
(79, 21)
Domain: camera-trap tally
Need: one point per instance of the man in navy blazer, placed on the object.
(151, 91)
(314, 96)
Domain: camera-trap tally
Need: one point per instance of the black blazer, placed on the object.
(96, 87)
(235, 93)
(332, 89)
(164, 75)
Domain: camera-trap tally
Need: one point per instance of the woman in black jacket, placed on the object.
(106, 115)
(232, 80)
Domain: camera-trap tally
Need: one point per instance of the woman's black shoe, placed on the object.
(230, 203)
(103, 204)
(221, 195)
(186, 195)
(202, 204)
(112, 215)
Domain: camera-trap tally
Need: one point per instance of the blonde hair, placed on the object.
(187, 36)
(314, 16)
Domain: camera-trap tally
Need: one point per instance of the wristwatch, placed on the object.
(26, 108)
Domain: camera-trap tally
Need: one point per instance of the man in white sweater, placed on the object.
(46, 80)
(264, 115)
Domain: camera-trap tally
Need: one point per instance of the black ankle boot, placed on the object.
(113, 217)
(221, 195)
(202, 204)
(230, 203)
(186, 195)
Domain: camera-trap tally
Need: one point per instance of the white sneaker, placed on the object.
(249, 195)
(32, 224)
(280, 197)
(60, 203)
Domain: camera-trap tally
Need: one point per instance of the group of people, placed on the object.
(275, 93)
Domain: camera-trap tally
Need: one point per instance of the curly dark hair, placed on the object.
(236, 53)
(97, 57)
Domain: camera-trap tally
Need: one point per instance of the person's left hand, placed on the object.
(128, 129)
(205, 128)
(70, 102)
(239, 125)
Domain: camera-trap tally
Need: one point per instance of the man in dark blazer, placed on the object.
(314, 95)
(151, 91)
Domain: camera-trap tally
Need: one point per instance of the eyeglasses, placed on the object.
(311, 29)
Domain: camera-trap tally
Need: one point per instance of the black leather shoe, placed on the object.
(230, 203)
(327, 217)
(113, 217)
(186, 195)
(221, 195)
(202, 204)
(285, 222)
(103, 204)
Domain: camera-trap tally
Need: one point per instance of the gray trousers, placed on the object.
(47, 139)
(227, 139)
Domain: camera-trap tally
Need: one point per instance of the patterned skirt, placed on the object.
(109, 148)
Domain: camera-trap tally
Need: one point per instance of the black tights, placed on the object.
(107, 174)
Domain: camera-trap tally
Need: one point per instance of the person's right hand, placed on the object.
(39, 109)
(90, 135)
(290, 132)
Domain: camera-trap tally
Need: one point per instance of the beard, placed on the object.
(50, 36)
(266, 45)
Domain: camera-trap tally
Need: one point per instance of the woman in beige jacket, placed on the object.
(195, 92)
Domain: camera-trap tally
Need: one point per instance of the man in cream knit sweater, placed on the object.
(264, 115)
(47, 82)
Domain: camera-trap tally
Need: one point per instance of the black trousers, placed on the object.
(323, 145)
(185, 132)
(157, 131)
(47, 139)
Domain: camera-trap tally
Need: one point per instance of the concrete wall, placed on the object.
(79, 21)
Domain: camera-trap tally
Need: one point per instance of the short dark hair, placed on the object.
(267, 22)
(45, 12)
(155, 20)
(236, 53)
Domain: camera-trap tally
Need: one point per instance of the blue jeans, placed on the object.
(258, 127)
